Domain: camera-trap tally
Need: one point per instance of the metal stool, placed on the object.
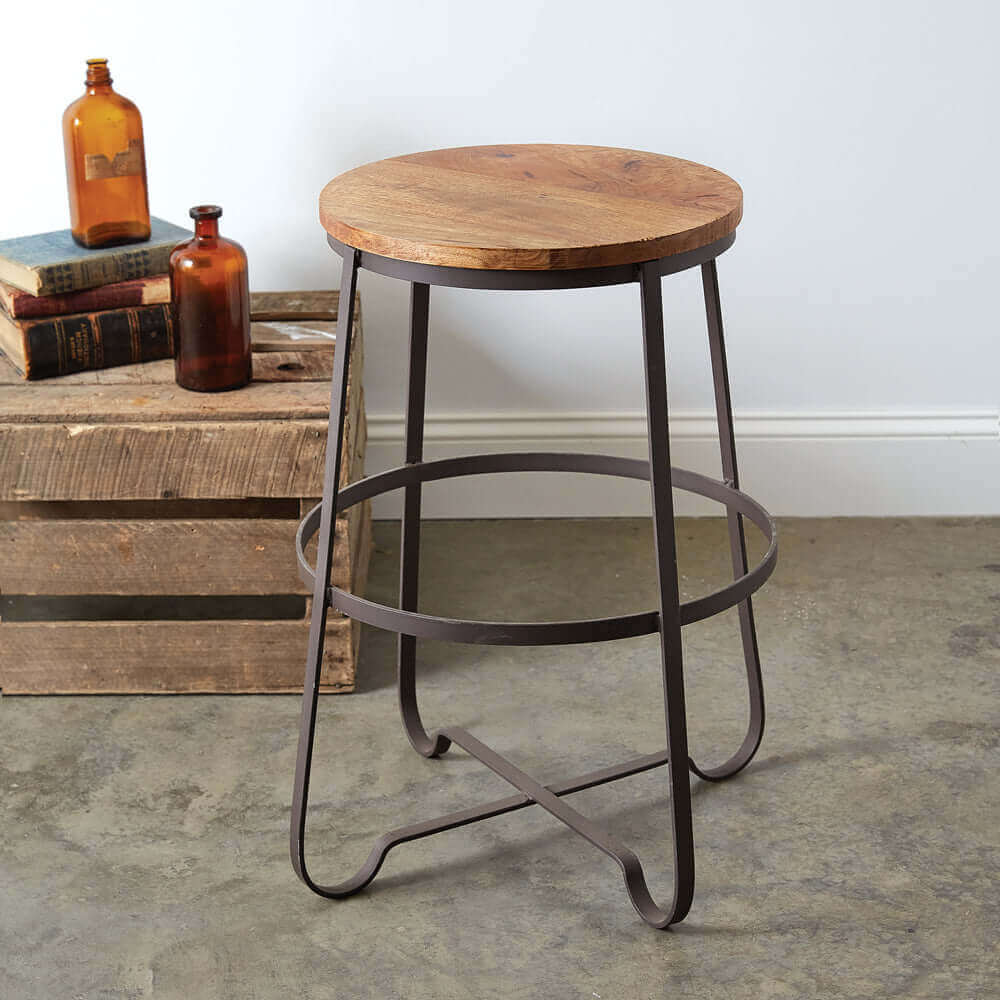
(533, 218)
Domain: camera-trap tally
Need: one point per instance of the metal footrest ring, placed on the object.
(538, 633)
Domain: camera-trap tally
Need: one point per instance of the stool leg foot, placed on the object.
(324, 559)
(670, 623)
(409, 548)
(737, 540)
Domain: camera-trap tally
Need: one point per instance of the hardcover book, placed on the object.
(60, 345)
(52, 264)
(121, 295)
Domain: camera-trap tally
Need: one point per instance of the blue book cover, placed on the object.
(51, 263)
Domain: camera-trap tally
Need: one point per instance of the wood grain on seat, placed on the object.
(530, 207)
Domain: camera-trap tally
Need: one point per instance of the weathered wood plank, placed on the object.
(294, 335)
(70, 402)
(168, 657)
(186, 459)
(271, 458)
(176, 557)
(88, 657)
(318, 304)
(127, 510)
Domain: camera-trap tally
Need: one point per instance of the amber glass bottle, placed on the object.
(211, 296)
(105, 164)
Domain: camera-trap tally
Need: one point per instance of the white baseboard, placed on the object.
(795, 464)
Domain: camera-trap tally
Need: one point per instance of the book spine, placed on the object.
(124, 294)
(66, 344)
(125, 264)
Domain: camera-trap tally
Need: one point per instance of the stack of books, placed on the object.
(65, 309)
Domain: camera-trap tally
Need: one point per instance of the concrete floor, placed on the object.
(144, 846)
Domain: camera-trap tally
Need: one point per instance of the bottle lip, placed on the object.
(97, 62)
(205, 212)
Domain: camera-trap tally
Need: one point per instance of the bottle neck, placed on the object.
(98, 77)
(206, 229)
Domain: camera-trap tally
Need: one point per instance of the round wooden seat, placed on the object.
(530, 207)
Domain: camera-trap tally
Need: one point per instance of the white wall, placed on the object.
(862, 284)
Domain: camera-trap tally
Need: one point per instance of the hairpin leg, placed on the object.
(670, 623)
(737, 540)
(409, 549)
(324, 558)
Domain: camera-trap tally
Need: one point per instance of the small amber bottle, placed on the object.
(211, 299)
(105, 165)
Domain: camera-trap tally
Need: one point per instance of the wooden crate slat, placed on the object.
(310, 336)
(319, 304)
(41, 458)
(64, 401)
(157, 460)
(111, 461)
(146, 557)
(128, 510)
(176, 657)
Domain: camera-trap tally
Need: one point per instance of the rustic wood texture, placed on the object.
(149, 557)
(145, 461)
(246, 657)
(281, 458)
(169, 657)
(298, 335)
(84, 457)
(108, 555)
(64, 510)
(203, 557)
(118, 483)
(530, 207)
(293, 306)
(118, 395)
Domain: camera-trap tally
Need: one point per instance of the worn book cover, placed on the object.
(120, 295)
(52, 264)
(60, 345)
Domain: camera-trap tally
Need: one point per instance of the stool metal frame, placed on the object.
(666, 619)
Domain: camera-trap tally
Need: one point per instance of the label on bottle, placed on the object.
(127, 163)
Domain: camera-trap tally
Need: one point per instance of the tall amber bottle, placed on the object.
(211, 296)
(105, 164)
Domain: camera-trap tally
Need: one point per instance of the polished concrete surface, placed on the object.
(144, 839)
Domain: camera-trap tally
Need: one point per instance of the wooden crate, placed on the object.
(160, 519)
